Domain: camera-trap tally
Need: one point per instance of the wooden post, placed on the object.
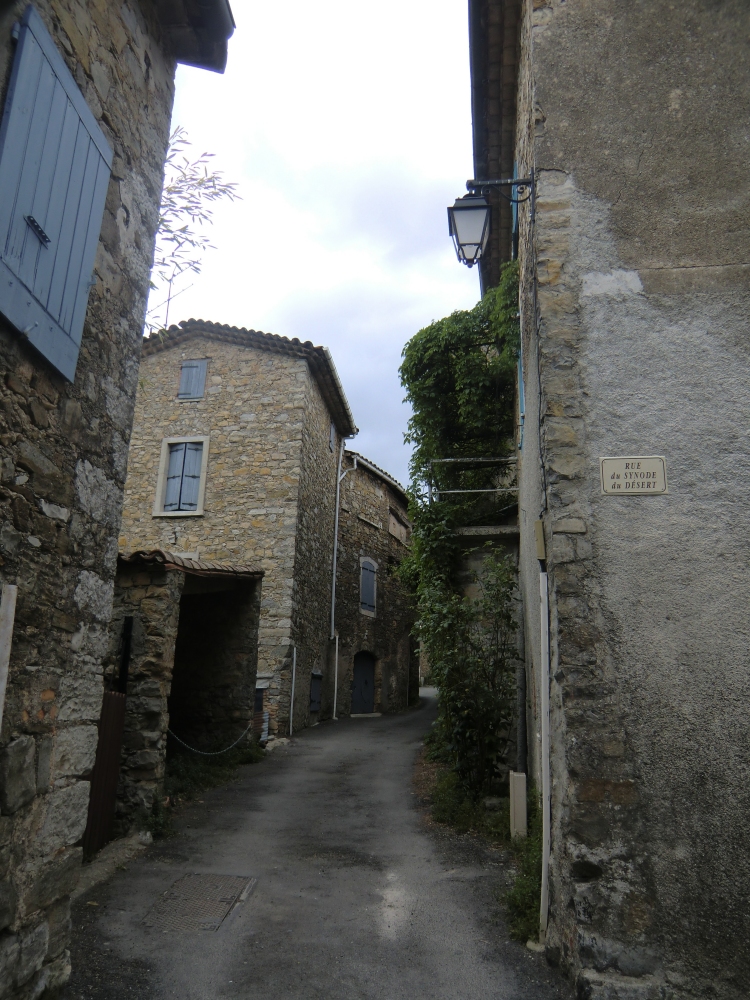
(517, 805)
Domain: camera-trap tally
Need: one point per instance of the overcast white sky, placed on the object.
(348, 129)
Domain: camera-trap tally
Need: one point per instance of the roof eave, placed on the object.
(197, 31)
(318, 359)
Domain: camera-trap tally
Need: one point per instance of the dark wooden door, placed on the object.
(363, 684)
(103, 796)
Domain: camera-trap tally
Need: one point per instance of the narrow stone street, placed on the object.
(356, 896)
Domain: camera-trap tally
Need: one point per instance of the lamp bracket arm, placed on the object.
(524, 186)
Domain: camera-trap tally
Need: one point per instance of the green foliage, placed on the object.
(460, 378)
(522, 901)
(451, 805)
(470, 646)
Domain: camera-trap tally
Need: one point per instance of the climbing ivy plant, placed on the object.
(459, 374)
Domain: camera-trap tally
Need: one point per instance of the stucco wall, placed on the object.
(640, 348)
(366, 528)
(64, 451)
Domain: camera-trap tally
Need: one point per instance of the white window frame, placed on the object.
(364, 611)
(161, 481)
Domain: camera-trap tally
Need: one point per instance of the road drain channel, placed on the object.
(198, 902)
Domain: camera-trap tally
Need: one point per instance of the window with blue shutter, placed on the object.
(183, 476)
(192, 380)
(54, 171)
(367, 577)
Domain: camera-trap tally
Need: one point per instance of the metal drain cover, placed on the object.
(198, 902)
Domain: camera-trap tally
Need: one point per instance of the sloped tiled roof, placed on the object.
(318, 359)
(198, 567)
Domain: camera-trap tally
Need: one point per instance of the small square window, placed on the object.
(192, 380)
(181, 484)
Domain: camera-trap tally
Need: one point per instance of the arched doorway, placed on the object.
(363, 684)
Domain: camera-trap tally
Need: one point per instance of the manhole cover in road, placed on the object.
(198, 902)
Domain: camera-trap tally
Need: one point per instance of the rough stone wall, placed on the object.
(313, 560)
(254, 412)
(372, 520)
(152, 596)
(63, 449)
(192, 668)
(634, 304)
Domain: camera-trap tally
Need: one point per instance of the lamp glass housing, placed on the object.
(469, 227)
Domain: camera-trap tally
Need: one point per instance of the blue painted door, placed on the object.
(363, 684)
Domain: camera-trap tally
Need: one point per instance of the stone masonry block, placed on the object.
(601, 790)
(75, 750)
(569, 526)
(7, 903)
(562, 433)
(58, 919)
(52, 880)
(9, 955)
(57, 973)
(65, 821)
(567, 464)
(17, 774)
(33, 948)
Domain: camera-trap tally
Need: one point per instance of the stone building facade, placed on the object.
(190, 664)
(378, 670)
(634, 300)
(92, 80)
(269, 415)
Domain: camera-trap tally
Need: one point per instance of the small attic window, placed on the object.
(332, 437)
(192, 380)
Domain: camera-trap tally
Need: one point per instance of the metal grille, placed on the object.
(198, 902)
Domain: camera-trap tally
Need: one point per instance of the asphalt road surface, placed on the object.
(356, 898)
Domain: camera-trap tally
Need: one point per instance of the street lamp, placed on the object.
(469, 218)
(469, 226)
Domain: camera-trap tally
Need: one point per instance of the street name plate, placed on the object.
(634, 476)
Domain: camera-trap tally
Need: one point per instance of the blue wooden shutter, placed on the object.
(367, 587)
(54, 171)
(192, 380)
(191, 476)
(174, 476)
